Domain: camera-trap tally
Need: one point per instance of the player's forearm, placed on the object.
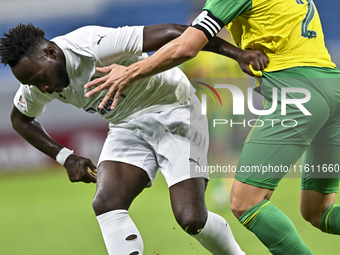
(222, 47)
(165, 58)
(34, 133)
(37, 137)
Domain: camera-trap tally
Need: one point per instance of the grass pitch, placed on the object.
(43, 213)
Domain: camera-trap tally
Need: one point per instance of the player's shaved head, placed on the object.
(21, 41)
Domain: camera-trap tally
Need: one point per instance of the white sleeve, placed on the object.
(113, 44)
(30, 101)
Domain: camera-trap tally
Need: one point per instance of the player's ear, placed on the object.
(50, 51)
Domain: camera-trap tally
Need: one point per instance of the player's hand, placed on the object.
(116, 81)
(77, 169)
(256, 58)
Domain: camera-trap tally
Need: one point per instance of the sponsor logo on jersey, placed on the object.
(101, 37)
(191, 160)
(105, 109)
(60, 95)
(90, 110)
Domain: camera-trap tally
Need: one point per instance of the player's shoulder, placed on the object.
(80, 40)
(31, 95)
(85, 31)
(30, 90)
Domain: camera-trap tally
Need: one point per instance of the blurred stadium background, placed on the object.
(41, 212)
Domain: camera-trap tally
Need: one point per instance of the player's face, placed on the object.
(47, 75)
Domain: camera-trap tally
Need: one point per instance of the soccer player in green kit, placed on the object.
(290, 33)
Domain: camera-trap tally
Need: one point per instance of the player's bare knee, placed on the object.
(313, 219)
(191, 223)
(103, 203)
(237, 208)
(98, 205)
(238, 211)
(193, 226)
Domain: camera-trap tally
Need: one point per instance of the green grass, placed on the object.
(43, 213)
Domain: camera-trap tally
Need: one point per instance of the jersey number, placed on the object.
(307, 20)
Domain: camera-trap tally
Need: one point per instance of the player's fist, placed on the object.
(257, 59)
(80, 169)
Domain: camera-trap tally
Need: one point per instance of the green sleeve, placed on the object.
(227, 10)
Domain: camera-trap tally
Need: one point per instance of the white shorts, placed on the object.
(174, 140)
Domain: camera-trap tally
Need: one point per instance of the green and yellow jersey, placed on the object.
(288, 31)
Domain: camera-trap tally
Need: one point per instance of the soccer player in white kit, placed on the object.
(156, 125)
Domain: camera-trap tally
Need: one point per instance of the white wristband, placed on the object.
(63, 155)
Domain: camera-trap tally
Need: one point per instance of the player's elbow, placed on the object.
(16, 124)
(18, 120)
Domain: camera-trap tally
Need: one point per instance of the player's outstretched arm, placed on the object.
(34, 133)
(155, 36)
(177, 51)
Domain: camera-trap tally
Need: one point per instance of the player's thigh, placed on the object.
(119, 183)
(126, 166)
(260, 169)
(123, 144)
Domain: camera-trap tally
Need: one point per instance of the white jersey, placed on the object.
(92, 46)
